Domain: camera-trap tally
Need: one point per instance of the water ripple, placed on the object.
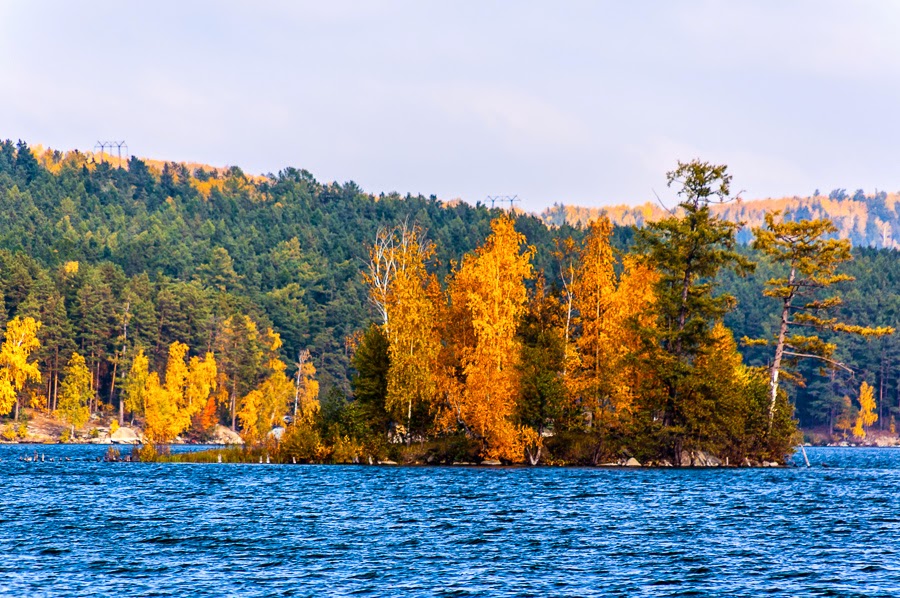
(73, 528)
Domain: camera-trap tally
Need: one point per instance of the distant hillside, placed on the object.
(867, 220)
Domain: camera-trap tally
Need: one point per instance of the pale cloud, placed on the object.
(588, 102)
(514, 118)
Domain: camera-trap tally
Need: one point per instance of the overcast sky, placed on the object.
(587, 103)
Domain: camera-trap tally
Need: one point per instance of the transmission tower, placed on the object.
(119, 145)
(503, 198)
(101, 147)
(104, 146)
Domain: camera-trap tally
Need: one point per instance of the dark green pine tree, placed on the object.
(96, 324)
(27, 165)
(542, 396)
(371, 362)
(46, 304)
(688, 249)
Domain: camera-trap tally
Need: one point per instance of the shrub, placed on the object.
(147, 453)
(302, 444)
(8, 433)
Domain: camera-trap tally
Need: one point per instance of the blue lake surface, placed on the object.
(87, 528)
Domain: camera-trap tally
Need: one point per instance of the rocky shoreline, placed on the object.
(37, 427)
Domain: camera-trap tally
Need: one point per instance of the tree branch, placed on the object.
(836, 364)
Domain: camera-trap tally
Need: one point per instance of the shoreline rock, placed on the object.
(224, 435)
(125, 435)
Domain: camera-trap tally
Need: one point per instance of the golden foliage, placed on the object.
(169, 407)
(266, 405)
(161, 421)
(307, 393)
(600, 376)
(487, 298)
(200, 384)
(630, 309)
(15, 369)
(866, 416)
(75, 393)
(133, 388)
(595, 283)
(205, 188)
(412, 342)
(846, 417)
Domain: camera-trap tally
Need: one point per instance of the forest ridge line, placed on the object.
(866, 220)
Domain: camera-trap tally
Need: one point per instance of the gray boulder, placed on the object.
(124, 435)
(225, 435)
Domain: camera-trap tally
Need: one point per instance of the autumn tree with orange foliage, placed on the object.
(600, 374)
(404, 295)
(265, 406)
(866, 416)
(412, 340)
(169, 405)
(480, 382)
(595, 283)
(630, 310)
(16, 365)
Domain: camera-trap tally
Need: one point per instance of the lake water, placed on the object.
(81, 528)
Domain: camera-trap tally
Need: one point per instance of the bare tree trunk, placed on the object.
(52, 399)
(678, 448)
(93, 387)
(881, 391)
(409, 422)
(568, 327)
(112, 384)
(775, 369)
(234, 405)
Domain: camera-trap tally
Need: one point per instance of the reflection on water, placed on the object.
(82, 527)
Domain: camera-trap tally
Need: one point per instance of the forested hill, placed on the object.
(184, 248)
(193, 254)
(866, 220)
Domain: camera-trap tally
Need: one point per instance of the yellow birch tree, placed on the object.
(135, 384)
(488, 292)
(595, 283)
(161, 421)
(15, 369)
(266, 405)
(412, 343)
(630, 308)
(75, 393)
(866, 416)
